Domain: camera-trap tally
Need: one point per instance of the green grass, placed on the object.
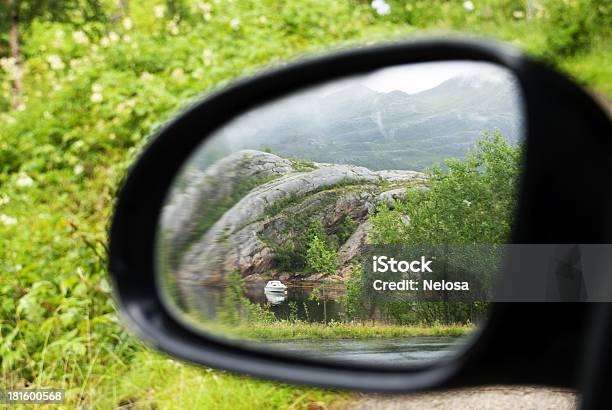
(285, 330)
(151, 380)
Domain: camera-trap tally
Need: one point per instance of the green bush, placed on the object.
(320, 257)
(471, 201)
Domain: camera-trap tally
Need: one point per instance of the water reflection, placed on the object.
(275, 298)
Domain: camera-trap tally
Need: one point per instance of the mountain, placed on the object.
(393, 130)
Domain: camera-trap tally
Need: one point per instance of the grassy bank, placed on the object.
(284, 330)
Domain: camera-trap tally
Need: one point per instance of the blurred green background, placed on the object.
(82, 85)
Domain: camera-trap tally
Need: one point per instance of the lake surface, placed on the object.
(308, 302)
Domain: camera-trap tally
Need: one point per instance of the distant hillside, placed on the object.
(394, 130)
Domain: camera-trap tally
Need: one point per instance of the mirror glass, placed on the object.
(354, 221)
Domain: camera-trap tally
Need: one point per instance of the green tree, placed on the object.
(320, 257)
(470, 202)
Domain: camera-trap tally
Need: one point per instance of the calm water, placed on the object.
(300, 302)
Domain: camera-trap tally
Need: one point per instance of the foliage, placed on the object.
(290, 255)
(237, 308)
(319, 257)
(470, 202)
(94, 92)
(345, 229)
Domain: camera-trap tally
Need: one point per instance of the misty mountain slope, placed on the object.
(359, 126)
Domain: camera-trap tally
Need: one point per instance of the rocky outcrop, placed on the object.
(355, 244)
(200, 192)
(241, 237)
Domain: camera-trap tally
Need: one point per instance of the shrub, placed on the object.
(320, 257)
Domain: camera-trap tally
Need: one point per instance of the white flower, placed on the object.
(207, 57)
(78, 169)
(21, 107)
(146, 76)
(24, 180)
(205, 7)
(263, 19)
(382, 7)
(173, 27)
(96, 88)
(105, 42)
(198, 73)
(96, 97)
(178, 74)
(79, 37)
(55, 62)
(466, 202)
(518, 14)
(468, 5)
(235, 24)
(127, 23)
(4, 199)
(159, 11)
(127, 38)
(7, 220)
(207, 16)
(7, 63)
(113, 37)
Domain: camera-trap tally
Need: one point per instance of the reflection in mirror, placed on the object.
(266, 236)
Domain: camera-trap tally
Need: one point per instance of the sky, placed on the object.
(414, 78)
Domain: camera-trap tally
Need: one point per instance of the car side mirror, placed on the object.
(256, 231)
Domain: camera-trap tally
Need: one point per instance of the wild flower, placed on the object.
(4, 199)
(113, 37)
(467, 203)
(127, 23)
(178, 74)
(55, 62)
(207, 56)
(468, 5)
(173, 27)
(7, 220)
(235, 24)
(24, 181)
(96, 97)
(146, 76)
(105, 42)
(382, 7)
(198, 73)
(7, 64)
(80, 37)
(159, 11)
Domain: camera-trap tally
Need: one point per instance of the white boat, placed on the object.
(275, 286)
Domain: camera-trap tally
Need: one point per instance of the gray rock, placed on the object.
(355, 244)
(237, 240)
